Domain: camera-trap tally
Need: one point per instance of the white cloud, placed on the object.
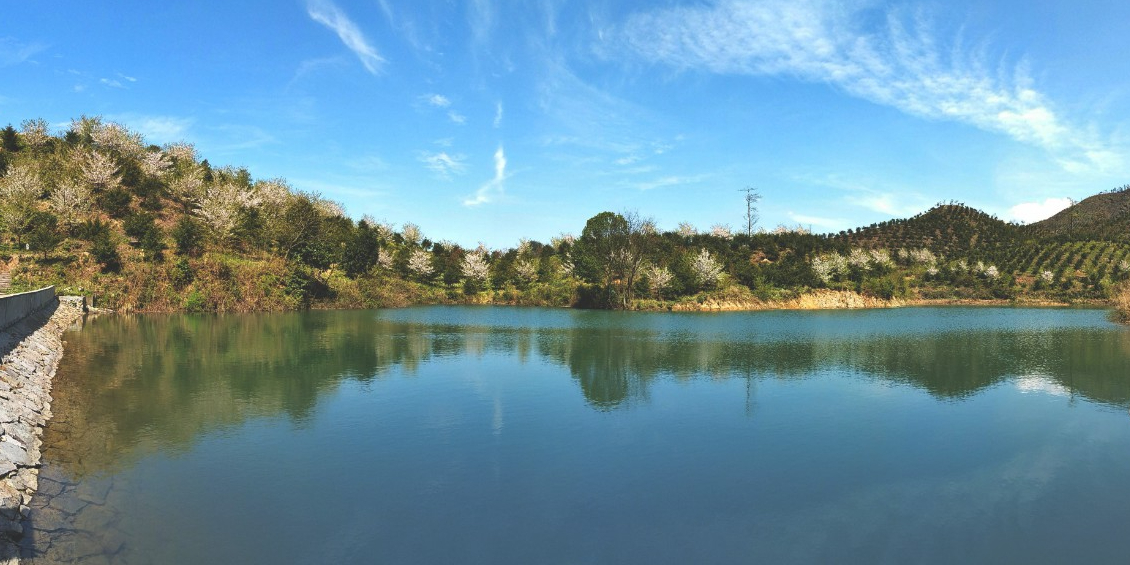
(445, 166)
(329, 15)
(494, 188)
(456, 117)
(498, 116)
(111, 83)
(895, 64)
(437, 100)
(1029, 212)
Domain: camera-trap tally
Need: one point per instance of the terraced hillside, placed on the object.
(1104, 216)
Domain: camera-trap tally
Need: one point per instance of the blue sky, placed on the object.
(492, 120)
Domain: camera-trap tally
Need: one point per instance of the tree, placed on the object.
(658, 278)
(706, 269)
(611, 251)
(188, 235)
(35, 133)
(420, 264)
(19, 191)
(9, 139)
(752, 196)
(360, 253)
(98, 170)
(42, 233)
(475, 270)
(595, 253)
(70, 200)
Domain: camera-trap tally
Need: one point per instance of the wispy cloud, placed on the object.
(13, 52)
(495, 187)
(156, 129)
(437, 100)
(498, 116)
(328, 14)
(456, 117)
(668, 181)
(1028, 212)
(899, 63)
(111, 83)
(444, 165)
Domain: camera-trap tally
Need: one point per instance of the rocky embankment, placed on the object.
(30, 352)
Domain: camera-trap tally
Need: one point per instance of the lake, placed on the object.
(513, 435)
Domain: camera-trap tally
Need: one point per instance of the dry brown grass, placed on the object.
(1121, 303)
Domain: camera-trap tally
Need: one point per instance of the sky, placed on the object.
(495, 120)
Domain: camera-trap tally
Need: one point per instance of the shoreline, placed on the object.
(30, 351)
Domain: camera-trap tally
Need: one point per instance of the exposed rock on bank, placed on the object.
(30, 351)
(816, 300)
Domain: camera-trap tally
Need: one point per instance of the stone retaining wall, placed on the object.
(14, 307)
(30, 350)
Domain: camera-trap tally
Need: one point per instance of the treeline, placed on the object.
(143, 227)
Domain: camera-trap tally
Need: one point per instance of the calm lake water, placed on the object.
(498, 435)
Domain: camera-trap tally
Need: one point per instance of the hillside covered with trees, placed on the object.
(97, 211)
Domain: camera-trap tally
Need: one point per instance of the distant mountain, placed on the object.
(950, 229)
(1104, 216)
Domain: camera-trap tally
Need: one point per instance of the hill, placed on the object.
(1104, 216)
(948, 229)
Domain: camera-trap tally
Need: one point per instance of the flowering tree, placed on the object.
(721, 230)
(420, 263)
(527, 270)
(98, 170)
(221, 205)
(411, 233)
(686, 229)
(475, 270)
(658, 278)
(35, 132)
(829, 266)
(155, 163)
(181, 153)
(69, 201)
(706, 269)
(115, 137)
(19, 191)
(385, 259)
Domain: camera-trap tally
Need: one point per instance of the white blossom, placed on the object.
(859, 259)
(565, 238)
(475, 268)
(35, 132)
(527, 270)
(98, 170)
(329, 208)
(1047, 276)
(721, 230)
(189, 186)
(658, 278)
(1124, 265)
(221, 204)
(991, 272)
(706, 269)
(155, 163)
(829, 266)
(273, 192)
(687, 230)
(182, 153)
(880, 259)
(115, 137)
(923, 257)
(566, 267)
(69, 201)
(420, 263)
(411, 233)
(384, 259)
(19, 190)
